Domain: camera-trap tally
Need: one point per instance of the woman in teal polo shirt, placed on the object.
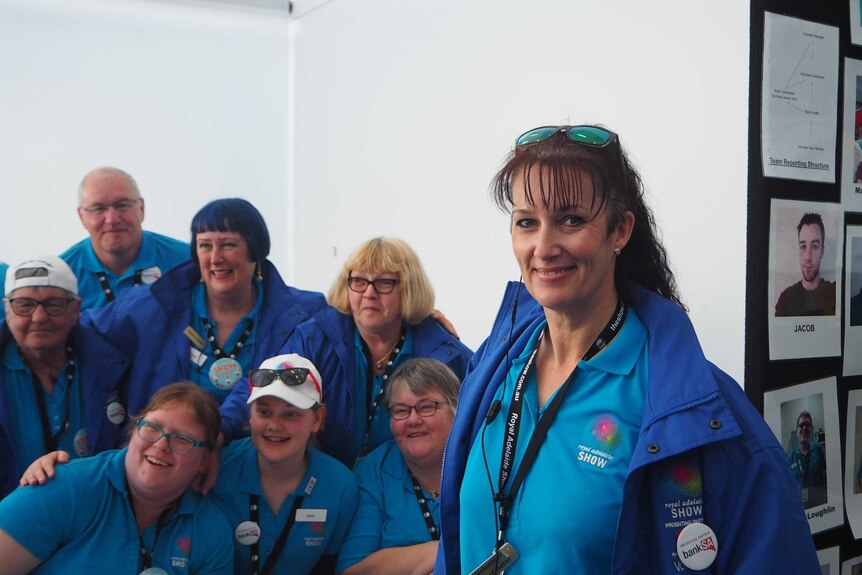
(397, 523)
(127, 511)
(290, 505)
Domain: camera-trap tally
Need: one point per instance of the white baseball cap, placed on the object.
(302, 393)
(44, 271)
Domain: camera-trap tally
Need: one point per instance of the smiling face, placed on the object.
(803, 430)
(41, 333)
(421, 439)
(225, 264)
(156, 475)
(566, 253)
(114, 234)
(374, 311)
(281, 431)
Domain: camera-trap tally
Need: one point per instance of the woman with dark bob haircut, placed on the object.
(592, 436)
(212, 319)
(380, 316)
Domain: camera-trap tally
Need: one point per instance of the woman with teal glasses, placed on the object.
(592, 436)
(128, 511)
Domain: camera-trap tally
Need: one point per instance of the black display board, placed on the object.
(761, 374)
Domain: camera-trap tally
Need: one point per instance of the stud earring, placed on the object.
(617, 251)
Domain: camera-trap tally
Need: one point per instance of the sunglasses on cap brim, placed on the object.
(292, 376)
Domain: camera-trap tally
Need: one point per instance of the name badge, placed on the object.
(307, 515)
(150, 274)
(198, 358)
(247, 533)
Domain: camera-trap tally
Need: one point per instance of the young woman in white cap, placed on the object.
(290, 504)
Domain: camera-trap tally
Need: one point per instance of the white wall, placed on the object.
(404, 110)
(401, 113)
(190, 101)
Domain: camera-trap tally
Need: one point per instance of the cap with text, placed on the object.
(44, 271)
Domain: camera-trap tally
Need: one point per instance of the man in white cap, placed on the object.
(60, 387)
(118, 254)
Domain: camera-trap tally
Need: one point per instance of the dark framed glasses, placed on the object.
(26, 306)
(177, 442)
(381, 285)
(592, 136)
(292, 376)
(399, 411)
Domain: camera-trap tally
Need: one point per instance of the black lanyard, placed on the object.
(369, 380)
(106, 287)
(426, 511)
(52, 440)
(219, 352)
(513, 421)
(254, 514)
(146, 558)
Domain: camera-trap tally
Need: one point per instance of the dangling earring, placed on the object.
(258, 272)
(617, 251)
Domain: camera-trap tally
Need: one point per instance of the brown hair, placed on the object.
(196, 400)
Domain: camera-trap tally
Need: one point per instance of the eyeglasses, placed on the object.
(177, 442)
(121, 206)
(26, 306)
(592, 136)
(400, 411)
(804, 425)
(292, 376)
(381, 285)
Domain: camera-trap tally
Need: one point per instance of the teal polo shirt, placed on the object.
(28, 435)
(158, 255)
(388, 514)
(564, 516)
(378, 429)
(202, 372)
(330, 494)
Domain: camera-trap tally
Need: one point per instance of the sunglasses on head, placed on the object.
(291, 376)
(592, 136)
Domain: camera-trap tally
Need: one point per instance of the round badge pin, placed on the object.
(225, 372)
(247, 533)
(81, 444)
(116, 412)
(150, 275)
(154, 571)
(697, 546)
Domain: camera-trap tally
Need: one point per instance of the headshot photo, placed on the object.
(812, 294)
(854, 270)
(806, 454)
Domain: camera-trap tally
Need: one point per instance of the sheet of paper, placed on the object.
(800, 94)
(853, 462)
(783, 409)
(851, 140)
(804, 291)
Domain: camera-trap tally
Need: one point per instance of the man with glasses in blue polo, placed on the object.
(60, 385)
(118, 254)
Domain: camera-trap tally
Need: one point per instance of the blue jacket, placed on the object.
(147, 324)
(102, 370)
(695, 418)
(327, 340)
